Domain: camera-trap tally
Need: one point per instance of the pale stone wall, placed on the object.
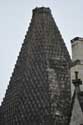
(77, 50)
(78, 68)
(77, 54)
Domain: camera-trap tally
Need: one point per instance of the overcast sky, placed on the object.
(15, 16)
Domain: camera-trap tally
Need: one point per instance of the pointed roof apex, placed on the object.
(41, 10)
(80, 97)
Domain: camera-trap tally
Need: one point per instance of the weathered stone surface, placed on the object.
(77, 115)
(39, 89)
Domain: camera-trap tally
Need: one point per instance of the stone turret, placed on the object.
(77, 47)
(39, 90)
(77, 58)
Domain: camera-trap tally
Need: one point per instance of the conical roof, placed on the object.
(39, 88)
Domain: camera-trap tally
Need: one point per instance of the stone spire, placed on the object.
(39, 89)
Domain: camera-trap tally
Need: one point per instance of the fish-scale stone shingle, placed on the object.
(39, 89)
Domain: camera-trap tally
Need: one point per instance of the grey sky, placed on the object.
(15, 16)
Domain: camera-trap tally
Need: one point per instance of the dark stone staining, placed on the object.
(39, 89)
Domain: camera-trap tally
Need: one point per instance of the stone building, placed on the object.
(39, 91)
(77, 57)
(77, 91)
